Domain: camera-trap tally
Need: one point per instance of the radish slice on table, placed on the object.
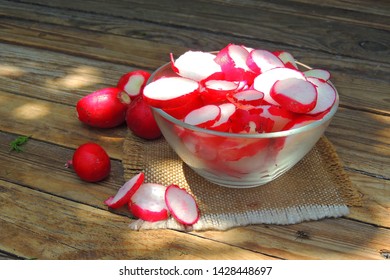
(125, 192)
(266, 80)
(287, 59)
(295, 95)
(326, 95)
(260, 61)
(195, 65)
(170, 92)
(148, 203)
(318, 73)
(204, 116)
(181, 205)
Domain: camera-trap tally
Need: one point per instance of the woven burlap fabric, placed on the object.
(316, 188)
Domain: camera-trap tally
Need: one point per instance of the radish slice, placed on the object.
(232, 56)
(266, 80)
(205, 116)
(148, 203)
(278, 114)
(125, 193)
(248, 97)
(170, 92)
(287, 59)
(181, 205)
(223, 124)
(195, 65)
(260, 61)
(296, 95)
(326, 96)
(318, 73)
(216, 91)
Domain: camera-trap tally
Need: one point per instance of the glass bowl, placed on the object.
(238, 160)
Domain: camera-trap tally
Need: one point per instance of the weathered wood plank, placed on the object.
(327, 35)
(61, 229)
(327, 239)
(55, 123)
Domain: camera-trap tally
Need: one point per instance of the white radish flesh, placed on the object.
(248, 97)
(266, 80)
(170, 92)
(295, 95)
(181, 205)
(227, 110)
(148, 203)
(287, 59)
(125, 193)
(205, 116)
(326, 95)
(196, 65)
(318, 73)
(232, 56)
(260, 61)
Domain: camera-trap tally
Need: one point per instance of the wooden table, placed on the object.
(54, 52)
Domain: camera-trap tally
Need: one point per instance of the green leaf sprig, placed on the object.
(18, 142)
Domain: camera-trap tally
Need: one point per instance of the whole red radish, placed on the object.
(140, 120)
(91, 162)
(133, 82)
(104, 108)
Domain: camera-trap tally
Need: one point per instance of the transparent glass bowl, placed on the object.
(238, 160)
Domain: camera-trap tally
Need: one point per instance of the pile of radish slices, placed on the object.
(155, 202)
(242, 90)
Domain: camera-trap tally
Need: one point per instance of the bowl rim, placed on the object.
(275, 134)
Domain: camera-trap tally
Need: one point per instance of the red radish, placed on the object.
(247, 97)
(133, 82)
(250, 121)
(170, 92)
(223, 124)
(326, 95)
(204, 116)
(287, 59)
(317, 73)
(260, 61)
(266, 80)
(195, 65)
(296, 95)
(140, 119)
(148, 203)
(102, 108)
(124, 194)
(181, 205)
(91, 162)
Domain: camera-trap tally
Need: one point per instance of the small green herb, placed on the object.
(18, 142)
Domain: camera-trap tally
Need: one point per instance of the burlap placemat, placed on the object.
(316, 188)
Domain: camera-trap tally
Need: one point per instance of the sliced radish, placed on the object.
(279, 115)
(204, 116)
(195, 65)
(133, 82)
(181, 111)
(295, 95)
(170, 92)
(326, 95)
(266, 80)
(125, 192)
(318, 73)
(148, 203)
(223, 124)
(250, 121)
(248, 97)
(181, 205)
(232, 56)
(260, 61)
(287, 59)
(216, 91)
